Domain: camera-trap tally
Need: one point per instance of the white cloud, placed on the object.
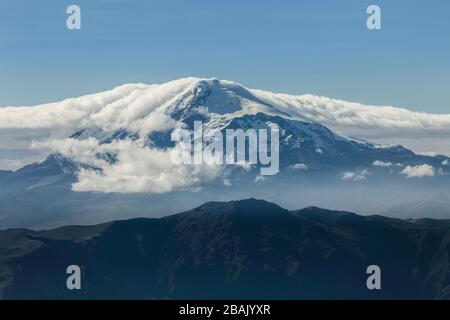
(226, 183)
(259, 178)
(137, 168)
(420, 131)
(299, 166)
(379, 163)
(379, 121)
(126, 106)
(355, 176)
(445, 162)
(419, 171)
(155, 121)
(348, 175)
(82, 151)
(137, 107)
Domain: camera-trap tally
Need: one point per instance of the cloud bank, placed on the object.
(419, 171)
(422, 132)
(355, 176)
(379, 163)
(373, 121)
(131, 106)
(135, 168)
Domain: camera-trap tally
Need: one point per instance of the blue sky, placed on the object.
(320, 47)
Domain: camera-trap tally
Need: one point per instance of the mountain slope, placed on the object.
(437, 206)
(240, 249)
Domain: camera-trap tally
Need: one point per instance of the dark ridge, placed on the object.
(247, 249)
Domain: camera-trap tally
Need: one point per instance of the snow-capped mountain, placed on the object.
(113, 153)
(222, 105)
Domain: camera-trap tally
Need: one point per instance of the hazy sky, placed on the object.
(319, 47)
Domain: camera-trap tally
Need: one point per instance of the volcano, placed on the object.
(110, 158)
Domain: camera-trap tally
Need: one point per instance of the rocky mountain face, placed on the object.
(248, 249)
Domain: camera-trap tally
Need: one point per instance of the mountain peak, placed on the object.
(240, 208)
(215, 96)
